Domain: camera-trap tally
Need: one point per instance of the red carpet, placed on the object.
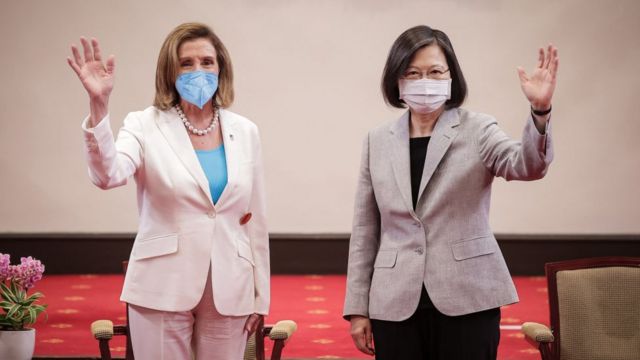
(314, 302)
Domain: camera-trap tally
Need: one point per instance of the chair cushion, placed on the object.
(599, 313)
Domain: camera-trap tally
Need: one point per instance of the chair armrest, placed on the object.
(102, 329)
(537, 332)
(283, 330)
(540, 337)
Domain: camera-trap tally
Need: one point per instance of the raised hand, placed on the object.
(540, 85)
(96, 77)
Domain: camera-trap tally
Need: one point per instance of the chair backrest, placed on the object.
(595, 308)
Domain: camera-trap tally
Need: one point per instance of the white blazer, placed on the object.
(181, 232)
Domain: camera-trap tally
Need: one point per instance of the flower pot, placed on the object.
(17, 345)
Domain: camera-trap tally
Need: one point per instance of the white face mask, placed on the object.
(425, 95)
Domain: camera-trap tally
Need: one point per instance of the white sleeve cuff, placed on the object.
(99, 128)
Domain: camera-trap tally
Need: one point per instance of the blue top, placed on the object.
(214, 164)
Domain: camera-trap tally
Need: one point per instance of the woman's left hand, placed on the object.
(539, 87)
(252, 323)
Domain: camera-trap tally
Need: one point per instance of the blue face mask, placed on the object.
(197, 87)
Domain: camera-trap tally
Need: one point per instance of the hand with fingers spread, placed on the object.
(361, 334)
(540, 85)
(96, 77)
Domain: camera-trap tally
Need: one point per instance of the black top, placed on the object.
(417, 155)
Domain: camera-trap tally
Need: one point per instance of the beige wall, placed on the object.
(308, 74)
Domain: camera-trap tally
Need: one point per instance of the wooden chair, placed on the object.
(594, 308)
(104, 330)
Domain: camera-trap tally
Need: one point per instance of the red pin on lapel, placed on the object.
(245, 218)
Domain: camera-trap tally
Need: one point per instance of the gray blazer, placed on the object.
(446, 243)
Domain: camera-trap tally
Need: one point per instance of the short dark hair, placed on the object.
(400, 56)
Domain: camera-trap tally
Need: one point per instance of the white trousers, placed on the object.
(202, 333)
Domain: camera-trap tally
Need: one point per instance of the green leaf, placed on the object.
(21, 295)
(20, 307)
(7, 294)
(31, 299)
(13, 310)
(14, 287)
(19, 315)
(28, 302)
(36, 295)
(10, 323)
(5, 304)
(4, 287)
(32, 316)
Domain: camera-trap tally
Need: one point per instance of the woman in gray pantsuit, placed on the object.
(426, 278)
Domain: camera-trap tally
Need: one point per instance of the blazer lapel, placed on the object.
(443, 134)
(174, 132)
(400, 161)
(232, 152)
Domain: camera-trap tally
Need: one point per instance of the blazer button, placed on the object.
(211, 214)
(419, 251)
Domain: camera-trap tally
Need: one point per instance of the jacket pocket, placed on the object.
(244, 251)
(155, 246)
(386, 259)
(475, 247)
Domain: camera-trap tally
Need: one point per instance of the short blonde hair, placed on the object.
(168, 66)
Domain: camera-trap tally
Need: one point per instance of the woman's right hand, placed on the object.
(96, 77)
(361, 334)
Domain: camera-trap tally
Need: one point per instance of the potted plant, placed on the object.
(18, 310)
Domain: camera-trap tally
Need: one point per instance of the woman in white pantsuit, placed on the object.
(198, 276)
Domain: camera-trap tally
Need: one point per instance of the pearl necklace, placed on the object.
(193, 129)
